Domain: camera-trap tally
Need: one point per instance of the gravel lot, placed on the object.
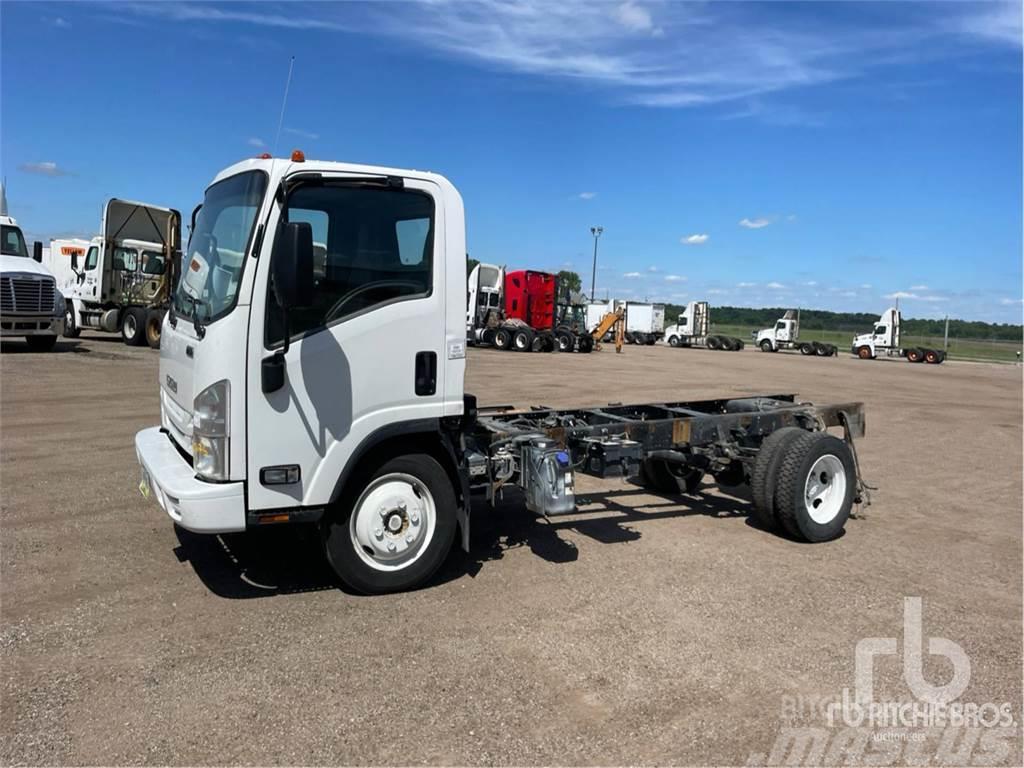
(644, 630)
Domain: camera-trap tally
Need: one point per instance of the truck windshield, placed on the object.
(13, 242)
(212, 269)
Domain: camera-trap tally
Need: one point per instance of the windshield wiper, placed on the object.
(196, 322)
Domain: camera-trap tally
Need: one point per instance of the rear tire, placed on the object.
(41, 343)
(154, 324)
(713, 342)
(933, 356)
(586, 343)
(565, 341)
(815, 486)
(502, 338)
(822, 350)
(728, 344)
(423, 520)
(133, 324)
(766, 467)
(522, 340)
(806, 349)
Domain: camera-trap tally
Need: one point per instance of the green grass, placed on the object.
(959, 349)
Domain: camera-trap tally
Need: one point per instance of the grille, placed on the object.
(26, 295)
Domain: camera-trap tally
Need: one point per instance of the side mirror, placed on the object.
(37, 251)
(292, 265)
(74, 262)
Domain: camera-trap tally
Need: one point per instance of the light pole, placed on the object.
(596, 232)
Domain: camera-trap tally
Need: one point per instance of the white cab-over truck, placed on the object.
(885, 340)
(785, 334)
(332, 393)
(125, 282)
(692, 329)
(31, 306)
(645, 323)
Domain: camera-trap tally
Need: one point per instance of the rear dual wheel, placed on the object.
(915, 355)
(714, 342)
(502, 338)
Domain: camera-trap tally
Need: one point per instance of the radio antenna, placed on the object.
(284, 103)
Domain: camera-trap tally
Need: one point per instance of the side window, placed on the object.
(684, 320)
(371, 247)
(152, 263)
(779, 326)
(91, 258)
(125, 259)
(880, 330)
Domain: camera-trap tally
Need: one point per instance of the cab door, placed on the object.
(368, 354)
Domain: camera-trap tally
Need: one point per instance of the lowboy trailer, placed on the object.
(333, 394)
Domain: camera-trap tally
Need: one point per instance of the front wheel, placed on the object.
(565, 341)
(766, 346)
(71, 329)
(673, 341)
(864, 353)
(393, 533)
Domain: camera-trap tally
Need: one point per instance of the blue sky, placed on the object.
(828, 155)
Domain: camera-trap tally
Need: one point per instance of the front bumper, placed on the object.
(38, 325)
(191, 503)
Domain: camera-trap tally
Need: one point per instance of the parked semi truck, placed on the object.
(785, 334)
(518, 310)
(885, 340)
(57, 257)
(692, 329)
(31, 306)
(339, 400)
(124, 283)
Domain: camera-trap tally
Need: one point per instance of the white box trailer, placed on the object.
(645, 323)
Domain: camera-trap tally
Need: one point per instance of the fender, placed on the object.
(431, 429)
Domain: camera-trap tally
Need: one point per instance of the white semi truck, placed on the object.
(124, 283)
(785, 334)
(31, 306)
(58, 258)
(335, 397)
(692, 329)
(884, 340)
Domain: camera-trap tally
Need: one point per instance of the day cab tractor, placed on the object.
(785, 334)
(330, 392)
(885, 340)
(692, 329)
(518, 310)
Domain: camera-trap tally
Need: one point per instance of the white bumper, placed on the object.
(193, 504)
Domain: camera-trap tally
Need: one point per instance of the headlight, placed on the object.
(58, 302)
(210, 431)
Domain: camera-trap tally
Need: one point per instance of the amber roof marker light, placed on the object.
(298, 156)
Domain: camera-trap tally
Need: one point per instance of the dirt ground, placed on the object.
(644, 629)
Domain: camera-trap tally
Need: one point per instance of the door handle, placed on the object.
(426, 373)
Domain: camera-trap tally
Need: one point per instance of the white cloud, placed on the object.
(693, 55)
(694, 239)
(653, 269)
(715, 291)
(919, 287)
(632, 275)
(302, 134)
(755, 223)
(901, 295)
(587, 195)
(811, 283)
(255, 142)
(774, 286)
(745, 285)
(1010, 302)
(675, 278)
(57, 21)
(45, 168)
(865, 286)
(933, 298)
(848, 293)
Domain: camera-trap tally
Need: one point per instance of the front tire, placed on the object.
(864, 353)
(393, 533)
(71, 329)
(766, 346)
(673, 341)
(565, 341)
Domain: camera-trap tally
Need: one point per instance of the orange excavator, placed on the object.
(616, 320)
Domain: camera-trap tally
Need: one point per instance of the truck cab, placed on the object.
(125, 281)
(884, 337)
(31, 306)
